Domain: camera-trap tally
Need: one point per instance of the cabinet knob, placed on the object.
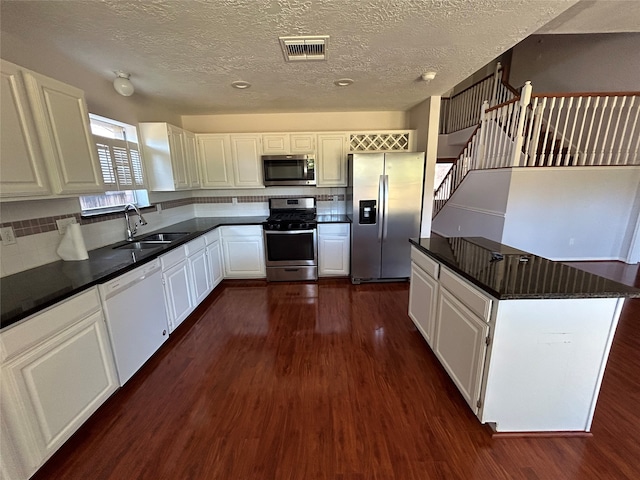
(164, 332)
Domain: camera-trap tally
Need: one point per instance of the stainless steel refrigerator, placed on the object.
(384, 201)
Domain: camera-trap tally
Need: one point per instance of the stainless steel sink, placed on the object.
(140, 245)
(164, 237)
(154, 240)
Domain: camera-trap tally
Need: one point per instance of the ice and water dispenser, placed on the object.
(367, 212)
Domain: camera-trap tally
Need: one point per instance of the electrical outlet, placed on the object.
(234, 200)
(8, 237)
(572, 241)
(62, 224)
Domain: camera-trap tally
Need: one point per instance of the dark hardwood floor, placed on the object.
(329, 381)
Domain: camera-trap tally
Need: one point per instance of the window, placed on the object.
(121, 165)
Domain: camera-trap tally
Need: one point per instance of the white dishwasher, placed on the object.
(136, 317)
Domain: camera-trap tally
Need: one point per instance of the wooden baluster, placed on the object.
(552, 155)
(568, 159)
(603, 160)
(621, 137)
(569, 112)
(628, 158)
(614, 135)
(543, 156)
(596, 138)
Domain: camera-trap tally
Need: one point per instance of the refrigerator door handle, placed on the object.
(381, 205)
(386, 206)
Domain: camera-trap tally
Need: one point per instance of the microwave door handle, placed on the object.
(380, 206)
(305, 170)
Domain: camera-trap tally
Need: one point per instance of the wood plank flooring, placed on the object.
(329, 381)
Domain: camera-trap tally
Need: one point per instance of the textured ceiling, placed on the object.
(186, 53)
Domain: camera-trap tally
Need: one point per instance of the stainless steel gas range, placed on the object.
(291, 239)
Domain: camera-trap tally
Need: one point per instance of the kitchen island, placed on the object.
(524, 339)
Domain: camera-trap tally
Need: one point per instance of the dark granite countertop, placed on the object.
(30, 291)
(508, 273)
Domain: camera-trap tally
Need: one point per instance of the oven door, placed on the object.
(291, 248)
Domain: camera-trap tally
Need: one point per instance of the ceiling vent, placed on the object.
(311, 48)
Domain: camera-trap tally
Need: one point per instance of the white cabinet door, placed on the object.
(177, 290)
(423, 296)
(23, 172)
(62, 122)
(191, 158)
(178, 161)
(333, 249)
(49, 390)
(216, 164)
(275, 143)
(247, 165)
(303, 143)
(243, 251)
(331, 164)
(460, 344)
(200, 276)
(214, 254)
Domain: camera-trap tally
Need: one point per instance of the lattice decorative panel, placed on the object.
(377, 142)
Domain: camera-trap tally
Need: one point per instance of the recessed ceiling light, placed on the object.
(343, 82)
(240, 84)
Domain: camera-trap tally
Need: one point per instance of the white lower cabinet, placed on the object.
(423, 298)
(333, 249)
(243, 251)
(460, 345)
(57, 369)
(198, 269)
(177, 286)
(214, 257)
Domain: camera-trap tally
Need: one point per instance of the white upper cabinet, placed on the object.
(276, 143)
(216, 164)
(302, 143)
(22, 169)
(166, 152)
(288, 143)
(331, 163)
(62, 122)
(247, 164)
(47, 145)
(191, 158)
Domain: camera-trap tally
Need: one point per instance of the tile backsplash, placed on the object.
(37, 237)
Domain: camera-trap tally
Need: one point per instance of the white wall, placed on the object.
(477, 208)
(561, 213)
(577, 63)
(295, 122)
(573, 213)
(424, 118)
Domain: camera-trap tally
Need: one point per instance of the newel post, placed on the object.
(481, 135)
(525, 99)
(496, 82)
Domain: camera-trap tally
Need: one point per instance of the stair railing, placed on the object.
(464, 163)
(582, 129)
(462, 109)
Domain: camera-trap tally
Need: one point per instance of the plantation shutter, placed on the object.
(121, 164)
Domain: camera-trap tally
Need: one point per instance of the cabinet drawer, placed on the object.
(174, 256)
(212, 236)
(194, 245)
(333, 229)
(427, 264)
(44, 325)
(465, 292)
(241, 230)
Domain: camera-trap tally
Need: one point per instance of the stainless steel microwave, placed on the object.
(282, 170)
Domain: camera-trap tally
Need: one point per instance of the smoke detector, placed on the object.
(305, 49)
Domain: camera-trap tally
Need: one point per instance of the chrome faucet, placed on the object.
(141, 221)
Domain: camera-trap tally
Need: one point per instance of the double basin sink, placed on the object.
(154, 240)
